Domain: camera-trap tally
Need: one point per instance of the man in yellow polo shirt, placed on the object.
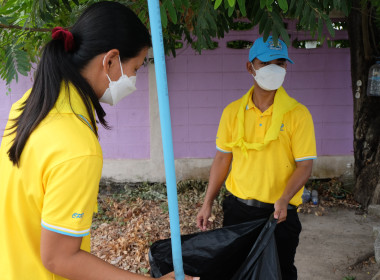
(270, 137)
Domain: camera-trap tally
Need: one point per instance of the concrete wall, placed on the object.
(200, 86)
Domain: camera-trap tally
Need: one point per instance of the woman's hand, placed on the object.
(170, 276)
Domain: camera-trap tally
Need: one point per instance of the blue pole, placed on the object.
(166, 131)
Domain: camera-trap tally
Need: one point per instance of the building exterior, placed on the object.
(200, 86)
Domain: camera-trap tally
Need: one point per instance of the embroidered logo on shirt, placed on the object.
(282, 127)
(77, 215)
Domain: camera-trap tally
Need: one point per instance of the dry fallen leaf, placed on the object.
(126, 227)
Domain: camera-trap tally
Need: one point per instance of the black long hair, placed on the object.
(102, 26)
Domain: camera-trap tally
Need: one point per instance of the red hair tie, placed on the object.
(66, 36)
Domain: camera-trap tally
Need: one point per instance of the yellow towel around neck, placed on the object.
(282, 104)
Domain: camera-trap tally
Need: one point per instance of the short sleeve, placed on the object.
(224, 134)
(71, 190)
(303, 137)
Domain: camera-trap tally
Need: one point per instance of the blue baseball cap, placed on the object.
(267, 51)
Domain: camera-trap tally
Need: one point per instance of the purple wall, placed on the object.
(130, 133)
(200, 86)
(6, 100)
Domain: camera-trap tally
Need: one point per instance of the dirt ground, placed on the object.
(336, 245)
(336, 242)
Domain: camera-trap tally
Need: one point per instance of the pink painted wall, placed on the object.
(200, 86)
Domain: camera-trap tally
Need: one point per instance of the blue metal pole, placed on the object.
(166, 131)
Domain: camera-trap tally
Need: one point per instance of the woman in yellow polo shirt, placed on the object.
(50, 157)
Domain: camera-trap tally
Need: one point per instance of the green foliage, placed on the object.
(376, 5)
(15, 60)
(25, 25)
(151, 191)
(241, 25)
(239, 44)
(144, 270)
(164, 207)
(148, 190)
(339, 44)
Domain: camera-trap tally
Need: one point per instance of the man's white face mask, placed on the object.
(269, 77)
(119, 89)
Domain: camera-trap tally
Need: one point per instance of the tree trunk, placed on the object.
(364, 44)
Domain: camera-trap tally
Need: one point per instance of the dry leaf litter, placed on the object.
(132, 217)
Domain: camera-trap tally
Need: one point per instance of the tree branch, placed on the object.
(371, 28)
(4, 26)
(366, 41)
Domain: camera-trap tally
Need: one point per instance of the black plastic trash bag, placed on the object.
(245, 251)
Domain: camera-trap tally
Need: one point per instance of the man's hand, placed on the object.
(219, 170)
(281, 210)
(203, 216)
(294, 185)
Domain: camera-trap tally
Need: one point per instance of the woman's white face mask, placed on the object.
(119, 89)
(269, 77)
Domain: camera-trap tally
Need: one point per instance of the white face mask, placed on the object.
(119, 89)
(270, 77)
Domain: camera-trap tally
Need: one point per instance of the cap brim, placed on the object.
(266, 58)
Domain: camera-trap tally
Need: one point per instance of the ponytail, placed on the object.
(102, 27)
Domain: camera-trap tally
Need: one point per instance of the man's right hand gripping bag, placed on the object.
(245, 251)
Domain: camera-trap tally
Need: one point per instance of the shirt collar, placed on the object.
(69, 101)
(251, 105)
